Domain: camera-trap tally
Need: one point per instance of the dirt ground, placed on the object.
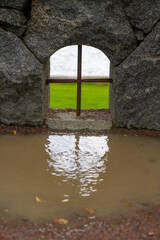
(145, 224)
(27, 130)
(95, 114)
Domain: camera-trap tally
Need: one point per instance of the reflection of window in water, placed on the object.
(78, 158)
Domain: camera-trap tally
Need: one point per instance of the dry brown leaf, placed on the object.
(60, 220)
(126, 203)
(89, 211)
(14, 132)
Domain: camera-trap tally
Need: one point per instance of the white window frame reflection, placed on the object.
(78, 158)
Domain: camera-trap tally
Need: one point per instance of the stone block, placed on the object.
(21, 83)
(16, 4)
(144, 14)
(12, 17)
(135, 92)
(58, 23)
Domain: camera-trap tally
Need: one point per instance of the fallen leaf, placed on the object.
(125, 135)
(60, 220)
(5, 210)
(126, 203)
(14, 132)
(90, 211)
(38, 199)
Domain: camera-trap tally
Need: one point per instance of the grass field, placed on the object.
(63, 95)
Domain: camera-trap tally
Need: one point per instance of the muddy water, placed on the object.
(70, 172)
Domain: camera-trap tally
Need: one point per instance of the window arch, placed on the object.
(66, 70)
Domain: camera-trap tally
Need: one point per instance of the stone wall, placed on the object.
(22, 76)
(127, 31)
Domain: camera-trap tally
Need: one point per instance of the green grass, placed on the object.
(63, 95)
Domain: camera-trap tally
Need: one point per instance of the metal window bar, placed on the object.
(79, 80)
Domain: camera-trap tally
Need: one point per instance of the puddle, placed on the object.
(70, 172)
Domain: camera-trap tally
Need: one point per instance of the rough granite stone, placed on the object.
(113, 26)
(139, 35)
(16, 30)
(135, 94)
(144, 14)
(16, 4)
(126, 2)
(12, 17)
(58, 23)
(21, 83)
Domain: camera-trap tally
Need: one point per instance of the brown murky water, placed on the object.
(71, 172)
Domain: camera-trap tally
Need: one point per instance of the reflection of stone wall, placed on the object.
(128, 32)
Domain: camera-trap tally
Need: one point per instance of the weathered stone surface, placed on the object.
(126, 2)
(139, 35)
(21, 83)
(12, 17)
(17, 4)
(144, 14)
(58, 23)
(16, 30)
(73, 124)
(135, 94)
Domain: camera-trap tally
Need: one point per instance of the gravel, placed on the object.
(145, 224)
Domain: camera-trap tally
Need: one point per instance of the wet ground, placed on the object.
(111, 174)
(144, 225)
(46, 177)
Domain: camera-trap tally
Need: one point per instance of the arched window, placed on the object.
(94, 74)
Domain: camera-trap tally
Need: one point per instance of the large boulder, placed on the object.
(12, 17)
(135, 93)
(58, 23)
(21, 85)
(143, 14)
(16, 4)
